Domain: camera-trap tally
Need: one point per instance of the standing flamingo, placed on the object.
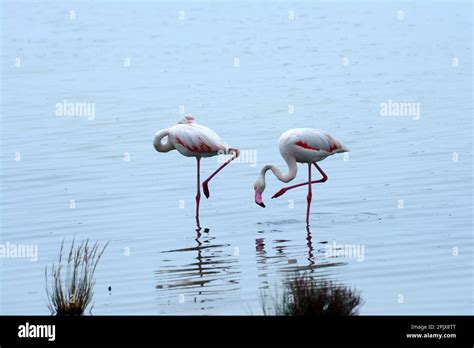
(193, 140)
(303, 145)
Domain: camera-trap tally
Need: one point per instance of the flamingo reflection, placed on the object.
(211, 274)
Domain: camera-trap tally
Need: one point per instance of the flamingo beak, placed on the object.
(258, 198)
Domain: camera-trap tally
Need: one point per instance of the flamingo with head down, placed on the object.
(300, 145)
(193, 140)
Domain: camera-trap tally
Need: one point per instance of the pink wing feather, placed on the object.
(316, 140)
(192, 139)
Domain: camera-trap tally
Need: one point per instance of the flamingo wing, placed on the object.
(196, 140)
(316, 140)
(310, 144)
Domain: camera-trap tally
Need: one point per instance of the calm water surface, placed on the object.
(404, 194)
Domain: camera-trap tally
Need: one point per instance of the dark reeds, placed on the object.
(72, 288)
(304, 296)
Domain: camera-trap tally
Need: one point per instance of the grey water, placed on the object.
(249, 70)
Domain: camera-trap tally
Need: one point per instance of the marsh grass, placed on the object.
(304, 296)
(72, 286)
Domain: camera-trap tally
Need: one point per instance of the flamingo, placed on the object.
(193, 140)
(300, 145)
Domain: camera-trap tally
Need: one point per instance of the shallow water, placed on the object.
(143, 202)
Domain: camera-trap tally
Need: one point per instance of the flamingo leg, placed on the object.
(283, 190)
(310, 194)
(205, 183)
(198, 194)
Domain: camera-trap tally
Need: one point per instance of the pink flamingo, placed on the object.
(302, 145)
(193, 140)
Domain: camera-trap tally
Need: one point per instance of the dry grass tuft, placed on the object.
(304, 296)
(71, 290)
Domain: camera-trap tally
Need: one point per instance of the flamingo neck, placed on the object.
(285, 177)
(158, 145)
